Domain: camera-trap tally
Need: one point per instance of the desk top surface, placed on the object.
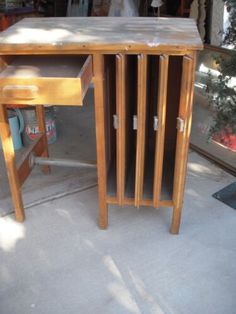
(100, 34)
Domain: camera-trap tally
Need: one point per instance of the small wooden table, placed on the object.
(143, 72)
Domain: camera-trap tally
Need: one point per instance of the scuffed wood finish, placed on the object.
(185, 113)
(9, 156)
(63, 35)
(99, 93)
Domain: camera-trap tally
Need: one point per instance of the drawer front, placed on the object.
(47, 90)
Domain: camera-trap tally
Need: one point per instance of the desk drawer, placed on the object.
(54, 80)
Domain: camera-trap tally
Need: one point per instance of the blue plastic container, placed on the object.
(16, 123)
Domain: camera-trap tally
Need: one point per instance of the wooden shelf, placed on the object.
(153, 98)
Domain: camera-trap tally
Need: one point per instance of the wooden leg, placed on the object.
(176, 217)
(103, 214)
(185, 113)
(40, 114)
(99, 81)
(9, 155)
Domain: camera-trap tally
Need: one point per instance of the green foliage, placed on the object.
(230, 35)
(222, 100)
(221, 91)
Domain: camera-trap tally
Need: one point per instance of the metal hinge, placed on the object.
(180, 124)
(135, 123)
(115, 121)
(155, 123)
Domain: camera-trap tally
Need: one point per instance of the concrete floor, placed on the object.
(58, 261)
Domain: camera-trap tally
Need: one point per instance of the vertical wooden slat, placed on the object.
(9, 156)
(160, 137)
(120, 138)
(185, 113)
(40, 114)
(141, 115)
(99, 93)
(108, 119)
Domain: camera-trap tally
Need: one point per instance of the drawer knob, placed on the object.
(24, 92)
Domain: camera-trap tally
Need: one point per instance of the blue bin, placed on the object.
(16, 123)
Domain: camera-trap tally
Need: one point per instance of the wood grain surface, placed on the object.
(100, 34)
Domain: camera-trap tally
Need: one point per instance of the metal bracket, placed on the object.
(155, 123)
(135, 122)
(180, 124)
(115, 121)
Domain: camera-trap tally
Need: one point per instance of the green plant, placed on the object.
(221, 90)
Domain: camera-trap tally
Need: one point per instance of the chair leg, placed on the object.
(9, 155)
(40, 114)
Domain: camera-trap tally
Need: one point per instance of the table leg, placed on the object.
(176, 217)
(9, 155)
(99, 93)
(40, 114)
(183, 136)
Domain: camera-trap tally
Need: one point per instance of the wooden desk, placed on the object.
(143, 71)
